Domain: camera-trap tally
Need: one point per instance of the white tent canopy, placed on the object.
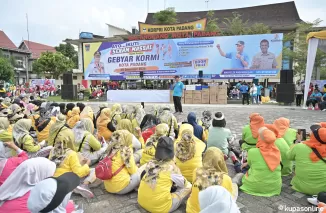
(315, 40)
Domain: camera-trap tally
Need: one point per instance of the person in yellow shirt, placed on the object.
(137, 139)
(59, 131)
(127, 175)
(213, 172)
(43, 125)
(87, 112)
(149, 150)
(68, 160)
(167, 117)
(5, 134)
(102, 124)
(116, 111)
(85, 141)
(69, 108)
(188, 151)
(74, 117)
(163, 188)
(25, 142)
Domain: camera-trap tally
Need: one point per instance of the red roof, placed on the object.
(37, 48)
(5, 41)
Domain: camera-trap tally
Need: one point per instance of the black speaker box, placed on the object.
(285, 93)
(141, 74)
(67, 79)
(200, 73)
(286, 76)
(69, 92)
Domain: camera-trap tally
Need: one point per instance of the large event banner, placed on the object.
(225, 57)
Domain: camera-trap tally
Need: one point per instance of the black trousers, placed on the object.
(311, 101)
(245, 96)
(298, 99)
(177, 103)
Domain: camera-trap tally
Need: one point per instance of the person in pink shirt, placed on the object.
(15, 191)
(8, 165)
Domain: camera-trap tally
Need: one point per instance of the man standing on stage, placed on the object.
(177, 94)
(244, 91)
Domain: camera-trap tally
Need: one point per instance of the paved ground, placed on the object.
(236, 117)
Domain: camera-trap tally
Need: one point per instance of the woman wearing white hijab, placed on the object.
(15, 191)
(217, 199)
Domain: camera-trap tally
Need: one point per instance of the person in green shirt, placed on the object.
(264, 176)
(310, 163)
(250, 132)
(283, 127)
(219, 135)
(281, 144)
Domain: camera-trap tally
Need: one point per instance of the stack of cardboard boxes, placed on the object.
(188, 96)
(196, 97)
(205, 96)
(215, 94)
(221, 94)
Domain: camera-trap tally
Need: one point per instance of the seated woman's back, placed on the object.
(264, 176)
(122, 161)
(102, 124)
(213, 172)
(188, 151)
(310, 170)
(250, 132)
(150, 147)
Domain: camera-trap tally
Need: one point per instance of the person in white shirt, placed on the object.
(298, 93)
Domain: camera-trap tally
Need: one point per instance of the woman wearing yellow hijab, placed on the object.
(102, 124)
(150, 148)
(87, 112)
(5, 135)
(213, 172)
(74, 117)
(188, 151)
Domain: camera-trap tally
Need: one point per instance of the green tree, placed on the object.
(298, 52)
(212, 25)
(54, 64)
(69, 51)
(258, 28)
(6, 70)
(167, 16)
(235, 25)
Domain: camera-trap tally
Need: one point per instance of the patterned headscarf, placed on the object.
(4, 123)
(153, 169)
(186, 148)
(59, 153)
(121, 140)
(82, 126)
(213, 169)
(116, 109)
(21, 128)
(206, 119)
(161, 130)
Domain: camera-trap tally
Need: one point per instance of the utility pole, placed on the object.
(147, 6)
(27, 65)
(206, 1)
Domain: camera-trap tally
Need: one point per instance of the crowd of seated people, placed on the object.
(52, 150)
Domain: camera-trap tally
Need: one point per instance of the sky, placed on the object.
(52, 21)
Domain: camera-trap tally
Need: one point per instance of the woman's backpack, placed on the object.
(103, 170)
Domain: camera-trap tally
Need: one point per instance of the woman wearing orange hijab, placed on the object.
(102, 124)
(283, 127)
(264, 176)
(250, 132)
(281, 144)
(310, 163)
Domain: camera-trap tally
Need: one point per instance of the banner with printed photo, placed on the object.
(246, 56)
